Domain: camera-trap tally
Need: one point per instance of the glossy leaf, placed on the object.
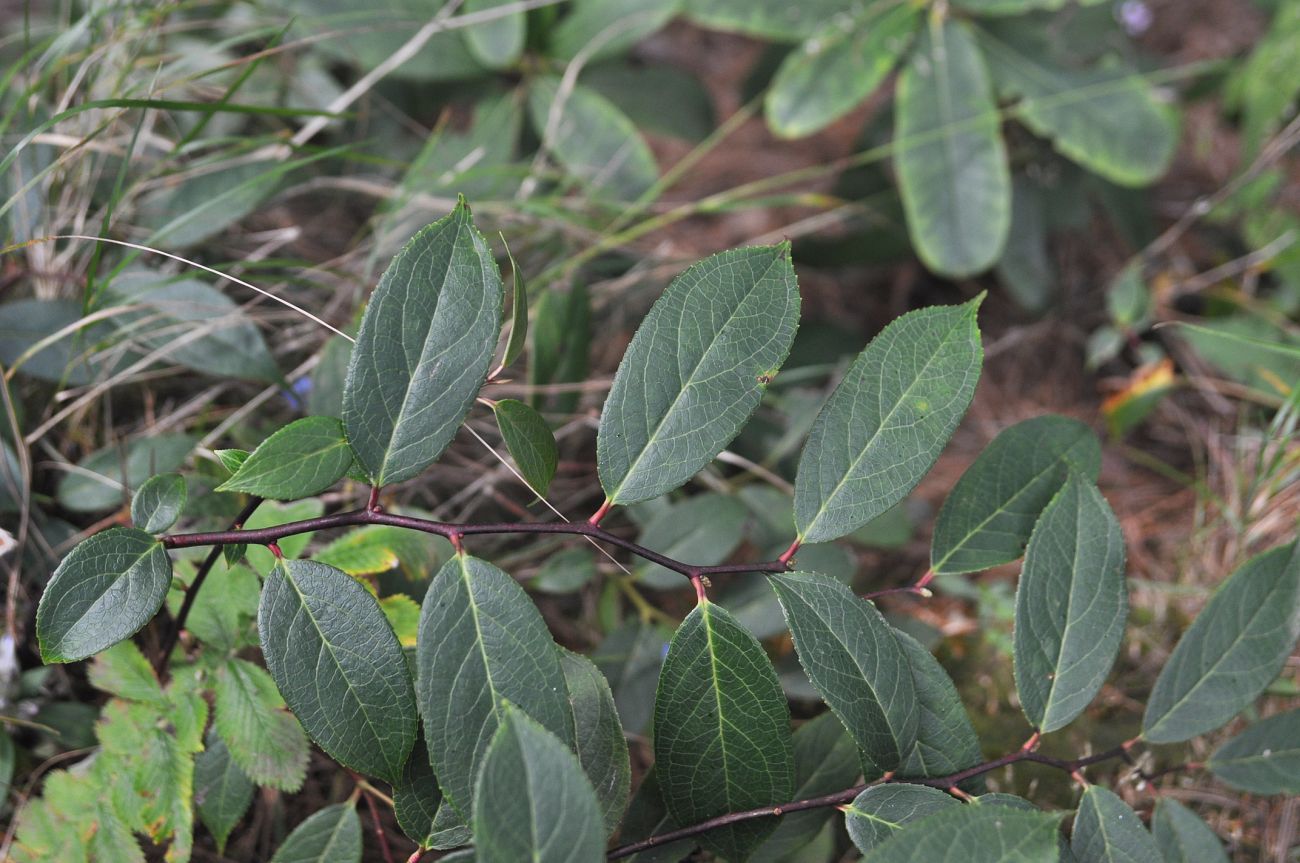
(532, 801)
(825, 761)
(945, 739)
(696, 370)
(158, 503)
(950, 158)
(302, 459)
(1234, 648)
(881, 811)
(482, 642)
(703, 530)
(331, 835)
(338, 665)
(885, 424)
(601, 747)
(838, 67)
(221, 790)
(991, 511)
(719, 704)
(1183, 837)
(855, 662)
(97, 483)
(423, 351)
(1109, 121)
(1263, 759)
(593, 140)
(495, 43)
(975, 834)
(529, 441)
(265, 740)
(1071, 606)
(1106, 830)
(103, 592)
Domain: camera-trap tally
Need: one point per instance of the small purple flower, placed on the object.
(663, 652)
(1135, 17)
(298, 389)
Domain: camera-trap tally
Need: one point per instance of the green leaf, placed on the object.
(97, 484)
(838, 67)
(770, 19)
(945, 739)
(975, 834)
(378, 548)
(1128, 300)
(630, 658)
(416, 796)
(646, 817)
(532, 800)
(70, 359)
(423, 351)
(332, 835)
(265, 740)
(6, 763)
(704, 529)
(403, 615)
(593, 140)
(825, 761)
(1025, 268)
(561, 341)
(158, 503)
(1007, 7)
(482, 642)
(719, 704)
(496, 43)
(1110, 121)
(530, 442)
(565, 572)
(1106, 830)
(657, 97)
(601, 747)
(232, 459)
(1071, 606)
(1183, 837)
(103, 592)
(991, 511)
(600, 28)
(950, 158)
(1263, 759)
(696, 370)
(855, 662)
(222, 614)
(881, 811)
(885, 424)
(1235, 647)
(221, 790)
(338, 665)
(302, 459)
(123, 670)
(519, 313)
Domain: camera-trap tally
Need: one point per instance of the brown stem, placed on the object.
(455, 532)
(192, 592)
(379, 827)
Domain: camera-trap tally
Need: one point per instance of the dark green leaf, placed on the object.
(498, 42)
(325, 398)
(601, 747)
(630, 658)
(416, 796)
(530, 442)
(771, 19)
(945, 739)
(561, 332)
(646, 817)
(1183, 837)
(825, 761)
(855, 662)
(991, 511)
(951, 161)
(158, 503)
(1106, 830)
(532, 800)
(221, 790)
(482, 642)
(593, 140)
(1025, 268)
(1007, 7)
(1234, 648)
(838, 67)
(6, 763)
(975, 834)
(1110, 121)
(719, 704)
(1071, 606)
(302, 459)
(659, 98)
(600, 28)
(696, 370)
(704, 530)
(103, 592)
(426, 340)
(885, 424)
(1263, 759)
(69, 359)
(881, 811)
(519, 313)
(565, 572)
(97, 484)
(338, 665)
(332, 835)
(265, 740)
